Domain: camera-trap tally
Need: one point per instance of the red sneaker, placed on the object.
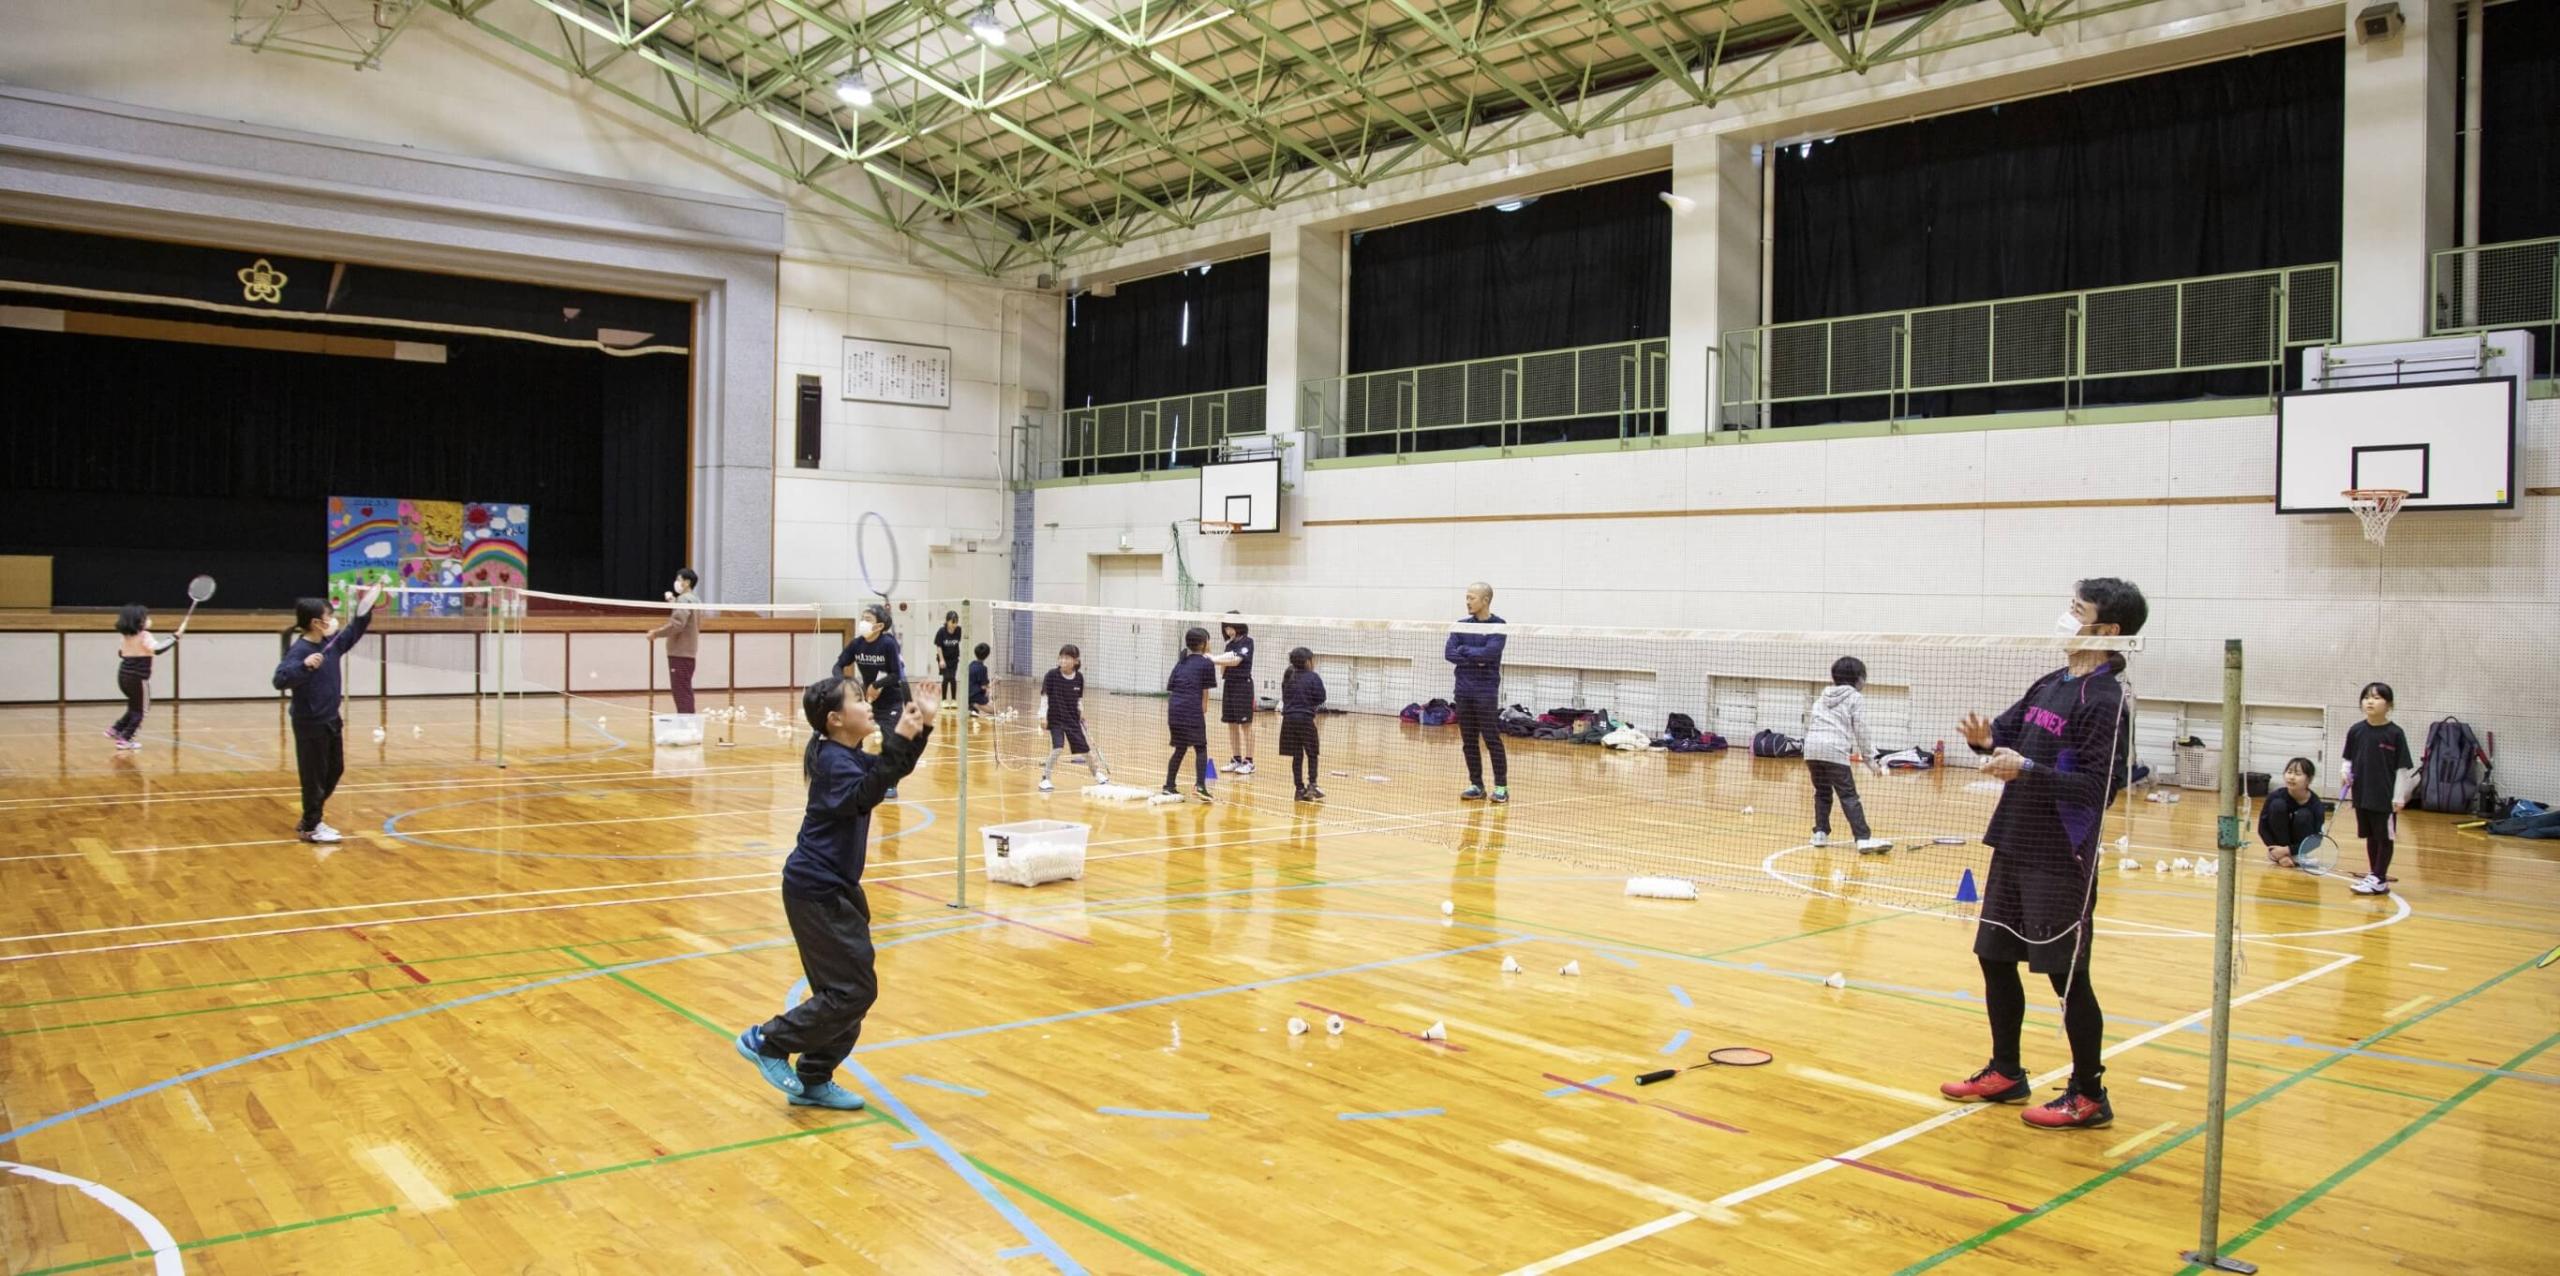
(1990, 1085)
(2073, 1111)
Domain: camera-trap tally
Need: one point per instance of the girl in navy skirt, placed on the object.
(1235, 704)
(1301, 694)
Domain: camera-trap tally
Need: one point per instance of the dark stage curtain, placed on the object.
(1190, 332)
(2230, 166)
(139, 463)
(1577, 268)
(2520, 122)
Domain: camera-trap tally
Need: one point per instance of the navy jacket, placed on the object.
(1478, 657)
(977, 683)
(316, 692)
(2284, 822)
(877, 663)
(845, 785)
(1301, 693)
(1192, 676)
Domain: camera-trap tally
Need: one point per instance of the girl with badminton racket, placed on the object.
(2293, 816)
(2377, 752)
(2061, 752)
(822, 891)
(1186, 711)
(310, 671)
(133, 669)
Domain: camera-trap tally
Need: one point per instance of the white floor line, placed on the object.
(156, 1238)
(1953, 1114)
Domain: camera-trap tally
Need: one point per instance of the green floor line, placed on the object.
(1098, 1226)
(2375, 1153)
(2158, 1150)
(642, 989)
(2238, 1062)
(1087, 1219)
(282, 1001)
(210, 1241)
(670, 1158)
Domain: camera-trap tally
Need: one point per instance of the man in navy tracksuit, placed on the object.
(1478, 657)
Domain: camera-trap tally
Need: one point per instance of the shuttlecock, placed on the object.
(1510, 964)
(2160, 866)
(377, 735)
(1837, 980)
(599, 719)
(1177, 1036)
(2182, 864)
(417, 733)
(1839, 878)
(1448, 908)
(2127, 864)
(2124, 841)
(1333, 1025)
(1662, 887)
(1436, 1032)
(2152, 796)
(1570, 968)
(1746, 810)
(1297, 1026)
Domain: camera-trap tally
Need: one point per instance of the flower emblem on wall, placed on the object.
(261, 281)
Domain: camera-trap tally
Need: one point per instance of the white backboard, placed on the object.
(1245, 492)
(2450, 444)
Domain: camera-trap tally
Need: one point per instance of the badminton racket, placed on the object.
(2316, 853)
(199, 590)
(1722, 1056)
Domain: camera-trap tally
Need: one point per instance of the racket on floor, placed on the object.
(199, 590)
(1721, 1056)
(2316, 854)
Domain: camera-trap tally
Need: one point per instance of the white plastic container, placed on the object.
(1035, 851)
(675, 730)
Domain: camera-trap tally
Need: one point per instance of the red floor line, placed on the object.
(1606, 1094)
(387, 955)
(1692, 1116)
(1409, 1036)
(1873, 1168)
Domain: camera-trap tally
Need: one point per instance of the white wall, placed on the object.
(2461, 620)
(935, 474)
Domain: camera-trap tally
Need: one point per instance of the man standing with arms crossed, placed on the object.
(1478, 657)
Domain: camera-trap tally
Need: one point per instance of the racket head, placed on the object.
(880, 578)
(200, 589)
(2316, 853)
(1739, 1056)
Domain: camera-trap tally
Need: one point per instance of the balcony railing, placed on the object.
(1592, 392)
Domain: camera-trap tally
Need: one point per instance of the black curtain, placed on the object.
(1581, 267)
(2520, 122)
(2229, 166)
(138, 463)
(1134, 344)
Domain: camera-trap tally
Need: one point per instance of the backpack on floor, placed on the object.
(2448, 772)
(1517, 720)
(1769, 743)
(1438, 713)
(1410, 713)
(1680, 726)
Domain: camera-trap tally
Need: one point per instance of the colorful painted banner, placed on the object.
(425, 546)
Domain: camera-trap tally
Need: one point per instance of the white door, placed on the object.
(1136, 654)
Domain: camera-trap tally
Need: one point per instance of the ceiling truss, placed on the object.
(1097, 123)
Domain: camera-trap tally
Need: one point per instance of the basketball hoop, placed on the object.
(2374, 507)
(1214, 527)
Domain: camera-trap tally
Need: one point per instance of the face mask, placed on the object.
(329, 626)
(2067, 624)
(867, 629)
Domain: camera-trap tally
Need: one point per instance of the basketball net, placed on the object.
(2374, 507)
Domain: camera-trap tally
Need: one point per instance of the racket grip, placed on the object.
(1651, 1077)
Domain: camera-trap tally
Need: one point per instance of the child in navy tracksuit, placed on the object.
(2292, 814)
(1301, 694)
(822, 893)
(310, 671)
(1478, 691)
(978, 680)
(2377, 752)
(1062, 711)
(133, 669)
(873, 662)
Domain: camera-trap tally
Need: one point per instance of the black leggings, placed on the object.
(2082, 1022)
(1200, 762)
(1303, 768)
(320, 754)
(2377, 826)
(137, 698)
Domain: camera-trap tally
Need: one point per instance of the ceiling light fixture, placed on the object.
(855, 90)
(987, 26)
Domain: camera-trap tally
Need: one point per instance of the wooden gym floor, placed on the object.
(490, 1032)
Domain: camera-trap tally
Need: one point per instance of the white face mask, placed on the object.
(2068, 624)
(329, 627)
(867, 629)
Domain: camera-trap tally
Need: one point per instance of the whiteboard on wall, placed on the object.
(896, 372)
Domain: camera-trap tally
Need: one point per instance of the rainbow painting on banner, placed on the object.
(428, 545)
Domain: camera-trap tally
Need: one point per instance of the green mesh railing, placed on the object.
(1606, 391)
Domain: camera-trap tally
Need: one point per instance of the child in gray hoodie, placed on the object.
(1836, 734)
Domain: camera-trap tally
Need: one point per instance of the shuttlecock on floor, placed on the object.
(1448, 908)
(1436, 1032)
(1570, 968)
(599, 719)
(1662, 887)
(2181, 864)
(1510, 964)
(2160, 866)
(1839, 878)
(1297, 1026)
(417, 733)
(1746, 810)
(2127, 864)
(377, 735)
(2153, 796)
(2124, 841)
(1333, 1025)
(1837, 980)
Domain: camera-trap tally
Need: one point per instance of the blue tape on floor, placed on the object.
(1153, 1115)
(1681, 995)
(1040, 1242)
(932, 1084)
(1673, 1046)
(1393, 1116)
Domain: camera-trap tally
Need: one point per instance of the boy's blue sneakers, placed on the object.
(778, 1073)
(827, 1094)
